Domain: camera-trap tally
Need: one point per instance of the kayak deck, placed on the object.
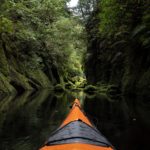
(77, 133)
(76, 114)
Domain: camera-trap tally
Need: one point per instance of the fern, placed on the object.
(138, 31)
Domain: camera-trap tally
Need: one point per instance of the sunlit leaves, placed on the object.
(63, 42)
(43, 32)
(26, 34)
(6, 25)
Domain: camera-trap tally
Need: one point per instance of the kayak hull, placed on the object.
(77, 133)
(76, 146)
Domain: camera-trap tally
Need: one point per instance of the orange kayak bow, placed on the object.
(77, 133)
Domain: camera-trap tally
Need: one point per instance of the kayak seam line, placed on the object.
(49, 143)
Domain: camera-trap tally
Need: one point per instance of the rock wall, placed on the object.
(120, 55)
(15, 76)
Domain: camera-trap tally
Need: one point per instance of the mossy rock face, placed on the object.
(4, 67)
(90, 89)
(143, 86)
(19, 81)
(39, 78)
(5, 86)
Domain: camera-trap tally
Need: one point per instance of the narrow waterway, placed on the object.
(27, 120)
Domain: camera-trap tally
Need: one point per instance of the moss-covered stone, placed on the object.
(16, 76)
(4, 67)
(19, 80)
(5, 86)
(119, 55)
(39, 78)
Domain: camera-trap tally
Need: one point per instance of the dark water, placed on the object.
(27, 120)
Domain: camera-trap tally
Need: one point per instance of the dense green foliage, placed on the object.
(40, 42)
(84, 9)
(119, 42)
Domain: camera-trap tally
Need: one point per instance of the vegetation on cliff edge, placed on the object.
(41, 44)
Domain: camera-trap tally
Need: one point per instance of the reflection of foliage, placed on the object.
(107, 116)
(30, 120)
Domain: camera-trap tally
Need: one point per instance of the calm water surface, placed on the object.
(27, 120)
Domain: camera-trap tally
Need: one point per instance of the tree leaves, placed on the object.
(6, 25)
(109, 16)
(43, 32)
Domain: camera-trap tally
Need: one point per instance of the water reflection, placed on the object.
(124, 121)
(27, 120)
(111, 117)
